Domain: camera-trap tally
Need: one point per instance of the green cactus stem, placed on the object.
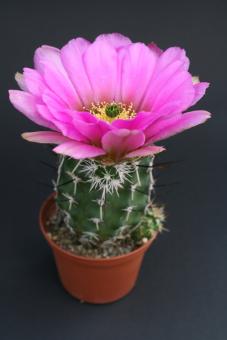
(102, 202)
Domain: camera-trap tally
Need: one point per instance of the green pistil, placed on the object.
(113, 110)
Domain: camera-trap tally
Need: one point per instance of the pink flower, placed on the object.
(110, 98)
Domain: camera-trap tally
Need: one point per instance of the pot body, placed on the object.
(89, 279)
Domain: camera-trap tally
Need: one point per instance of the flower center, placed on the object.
(112, 111)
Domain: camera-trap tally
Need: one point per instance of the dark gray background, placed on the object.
(181, 292)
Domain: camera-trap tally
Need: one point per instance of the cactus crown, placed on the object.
(107, 206)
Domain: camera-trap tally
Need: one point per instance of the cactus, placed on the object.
(105, 130)
(102, 202)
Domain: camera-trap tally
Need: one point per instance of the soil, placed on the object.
(70, 241)
(89, 244)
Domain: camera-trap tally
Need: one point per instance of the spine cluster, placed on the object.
(107, 202)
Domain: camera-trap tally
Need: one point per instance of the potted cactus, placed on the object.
(105, 104)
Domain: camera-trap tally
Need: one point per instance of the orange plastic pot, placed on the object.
(89, 279)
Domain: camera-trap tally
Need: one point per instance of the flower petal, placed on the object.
(170, 63)
(48, 63)
(172, 54)
(101, 64)
(140, 122)
(56, 107)
(200, 89)
(85, 116)
(117, 143)
(72, 59)
(26, 103)
(145, 151)
(46, 137)
(79, 150)
(69, 130)
(155, 48)
(138, 64)
(19, 77)
(143, 121)
(114, 39)
(159, 125)
(92, 131)
(181, 123)
(45, 113)
(177, 89)
(33, 82)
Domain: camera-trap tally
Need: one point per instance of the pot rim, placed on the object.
(50, 201)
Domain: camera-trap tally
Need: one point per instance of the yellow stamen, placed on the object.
(111, 111)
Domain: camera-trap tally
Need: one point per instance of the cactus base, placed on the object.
(99, 281)
(124, 242)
